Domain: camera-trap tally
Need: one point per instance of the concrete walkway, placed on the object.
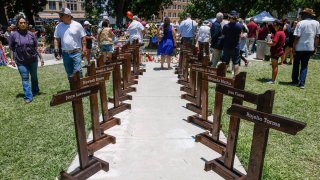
(154, 141)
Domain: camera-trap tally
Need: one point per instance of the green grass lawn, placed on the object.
(38, 141)
(287, 156)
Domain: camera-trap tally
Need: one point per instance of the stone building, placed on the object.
(76, 7)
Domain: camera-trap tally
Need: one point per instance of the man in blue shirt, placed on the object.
(216, 39)
(187, 29)
(231, 47)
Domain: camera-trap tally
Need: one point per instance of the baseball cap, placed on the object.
(233, 13)
(64, 11)
(86, 23)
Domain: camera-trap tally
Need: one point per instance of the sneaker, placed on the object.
(271, 82)
(27, 101)
(301, 86)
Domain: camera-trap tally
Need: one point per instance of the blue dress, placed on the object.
(166, 45)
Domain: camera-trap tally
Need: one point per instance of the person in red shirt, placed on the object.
(252, 35)
(276, 50)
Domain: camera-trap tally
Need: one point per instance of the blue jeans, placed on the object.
(72, 63)
(106, 48)
(25, 70)
(303, 58)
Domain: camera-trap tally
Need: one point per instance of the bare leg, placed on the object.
(88, 55)
(236, 69)
(274, 69)
(168, 61)
(162, 60)
(291, 56)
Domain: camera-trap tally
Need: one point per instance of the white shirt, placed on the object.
(135, 31)
(204, 34)
(70, 35)
(307, 30)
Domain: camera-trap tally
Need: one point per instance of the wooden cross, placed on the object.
(89, 164)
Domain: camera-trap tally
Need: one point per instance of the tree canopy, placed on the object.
(206, 9)
(13, 7)
(142, 8)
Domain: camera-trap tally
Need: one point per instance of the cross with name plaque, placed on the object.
(118, 94)
(213, 141)
(263, 120)
(89, 164)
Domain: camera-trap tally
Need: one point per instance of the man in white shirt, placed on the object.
(136, 30)
(305, 44)
(70, 36)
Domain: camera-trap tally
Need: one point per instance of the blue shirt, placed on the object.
(231, 32)
(187, 28)
(216, 32)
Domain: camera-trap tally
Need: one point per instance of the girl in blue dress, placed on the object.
(167, 42)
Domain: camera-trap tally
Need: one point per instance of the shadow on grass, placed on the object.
(287, 83)
(263, 80)
(20, 95)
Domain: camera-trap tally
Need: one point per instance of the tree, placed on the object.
(3, 17)
(142, 8)
(208, 8)
(30, 8)
(93, 9)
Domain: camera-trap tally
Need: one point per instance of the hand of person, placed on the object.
(12, 63)
(42, 62)
(84, 52)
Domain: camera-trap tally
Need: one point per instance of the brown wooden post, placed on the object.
(210, 74)
(260, 138)
(94, 108)
(78, 115)
(233, 131)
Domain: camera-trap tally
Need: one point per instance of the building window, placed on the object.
(52, 5)
(179, 6)
(175, 7)
(174, 15)
(60, 5)
(72, 5)
(169, 14)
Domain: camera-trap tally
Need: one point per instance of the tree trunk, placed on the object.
(119, 12)
(29, 15)
(3, 17)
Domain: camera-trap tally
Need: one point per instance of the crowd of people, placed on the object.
(230, 39)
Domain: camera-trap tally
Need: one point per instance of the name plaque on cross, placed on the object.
(104, 69)
(94, 79)
(220, 80)
(206, 70)
(273, 121)
(238, 93)
(72, 95)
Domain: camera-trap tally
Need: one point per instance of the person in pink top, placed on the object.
(252, 35)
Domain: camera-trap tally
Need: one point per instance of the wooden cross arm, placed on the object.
(273, 121)
(73, 95)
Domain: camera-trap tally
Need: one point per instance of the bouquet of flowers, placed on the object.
(152, 31)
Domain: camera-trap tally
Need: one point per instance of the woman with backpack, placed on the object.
(23, 44)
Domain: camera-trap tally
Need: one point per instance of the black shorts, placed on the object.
(233, 54)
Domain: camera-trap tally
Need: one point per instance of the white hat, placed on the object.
(65, 11)
(105, 18)
(86, 23)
